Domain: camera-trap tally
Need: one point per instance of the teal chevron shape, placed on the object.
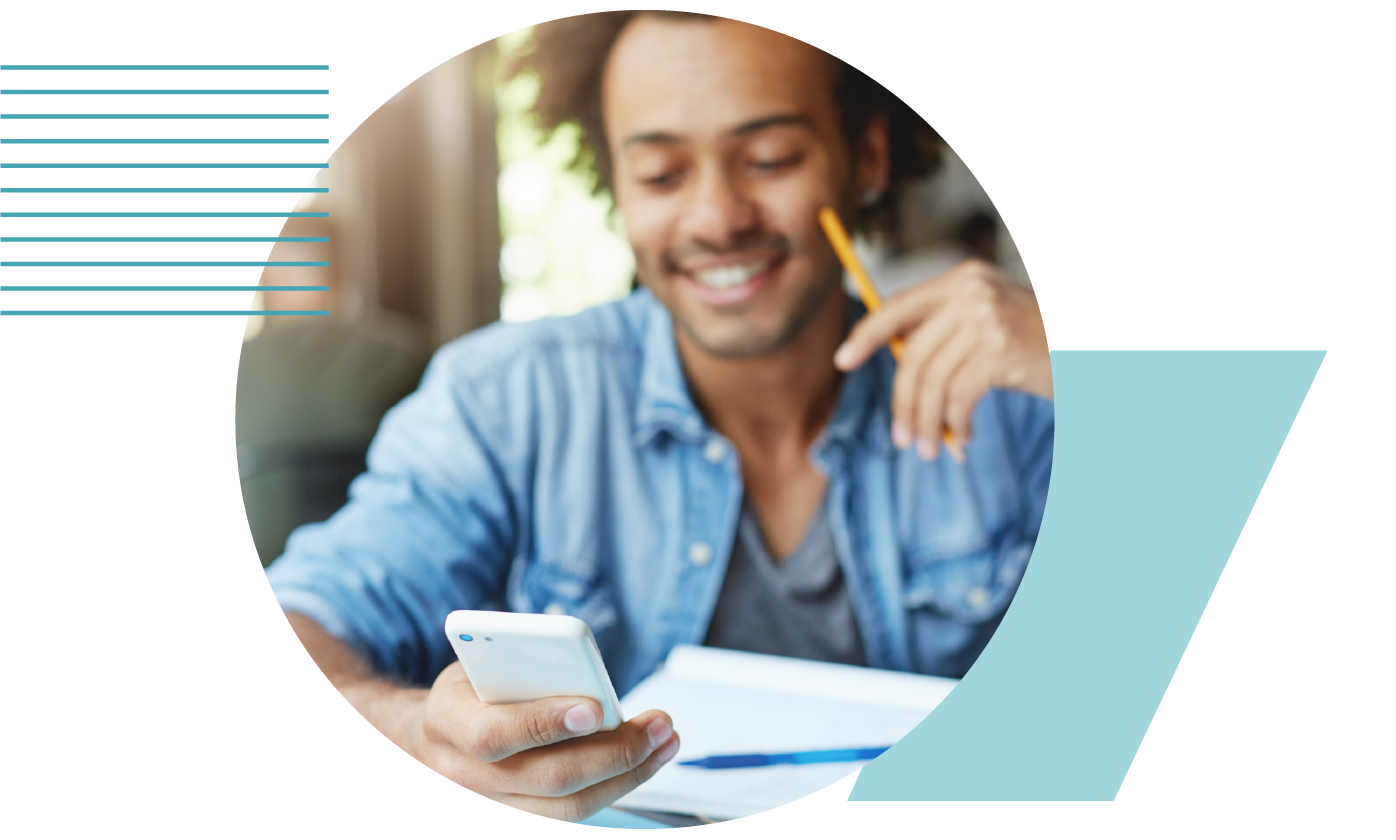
(1159, 457)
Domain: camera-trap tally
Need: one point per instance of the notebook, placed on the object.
(727, 702)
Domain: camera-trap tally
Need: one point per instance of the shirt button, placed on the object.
(700, 553)
(555, 609)
(977, 597)
(714, 451)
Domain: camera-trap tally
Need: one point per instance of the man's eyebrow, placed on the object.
(750, 127)
(663, 137)
(773, 120)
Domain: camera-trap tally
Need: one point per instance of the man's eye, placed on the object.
(774, 165)
(663, 179)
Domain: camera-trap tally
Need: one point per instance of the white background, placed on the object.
(1193, 176)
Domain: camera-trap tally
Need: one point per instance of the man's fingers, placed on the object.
(532, 750)
(897, 317)
(600, 795)
(491, 733)
(931, 391)
(969, 384)
(585, 803)
(565, 768)
(920, 348)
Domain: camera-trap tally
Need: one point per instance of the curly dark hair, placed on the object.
(568, 56)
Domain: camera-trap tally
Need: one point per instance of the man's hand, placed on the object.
(970, 329)
(540, 756)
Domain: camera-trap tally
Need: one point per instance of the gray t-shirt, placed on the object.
(796, 607)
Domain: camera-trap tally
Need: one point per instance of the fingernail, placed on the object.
(901, 434)
(580, 719)
(925, 449)
(659, 731)
(668, 751)
(843, 357)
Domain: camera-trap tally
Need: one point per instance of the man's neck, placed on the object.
(778, 400)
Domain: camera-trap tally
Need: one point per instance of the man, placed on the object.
(657, 466)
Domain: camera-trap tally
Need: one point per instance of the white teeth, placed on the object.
(728, 276)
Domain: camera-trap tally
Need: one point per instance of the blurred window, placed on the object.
(563, 248)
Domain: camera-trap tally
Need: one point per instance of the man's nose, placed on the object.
(718, 212)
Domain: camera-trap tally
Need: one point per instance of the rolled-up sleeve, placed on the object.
(429, 528)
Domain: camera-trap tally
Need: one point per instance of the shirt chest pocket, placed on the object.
(955, 599)
(968, 584)
(539, 586)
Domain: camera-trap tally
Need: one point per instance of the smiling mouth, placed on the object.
(731, 276)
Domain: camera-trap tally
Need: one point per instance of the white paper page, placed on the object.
(721, 717)
(806, 677)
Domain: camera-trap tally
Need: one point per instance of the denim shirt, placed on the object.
(561, 466)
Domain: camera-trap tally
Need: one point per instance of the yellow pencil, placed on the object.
(843, 246)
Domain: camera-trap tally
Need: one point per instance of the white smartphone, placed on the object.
(514, 657)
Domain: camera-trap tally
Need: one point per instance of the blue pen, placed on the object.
(724, 762)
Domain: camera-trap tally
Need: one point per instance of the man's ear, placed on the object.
(874, 161)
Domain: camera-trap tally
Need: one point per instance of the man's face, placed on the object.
(726, 142)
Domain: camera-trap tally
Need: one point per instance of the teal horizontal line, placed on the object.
(164, 66)
(161, 264)
(243, 312)
(321, 215)
(164, 189)
(164, 116)
(164, 239)
(163, 92)
(162, 288)
(164, 166)
(129, 140)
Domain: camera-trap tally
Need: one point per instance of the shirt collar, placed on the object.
(664, 403)
(861, 417)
